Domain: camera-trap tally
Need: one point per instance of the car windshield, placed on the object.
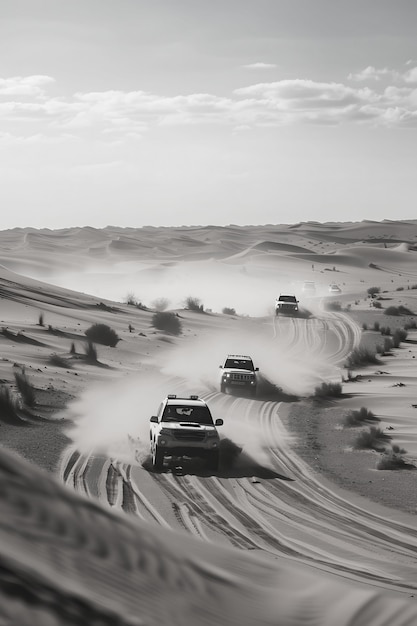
(186, 413)
(287, 298)
(241, 364)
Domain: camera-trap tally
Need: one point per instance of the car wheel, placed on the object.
(213, 461)
(157, 457)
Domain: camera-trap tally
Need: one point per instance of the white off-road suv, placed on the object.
(184, 427)
(286, 304)
(239, 373)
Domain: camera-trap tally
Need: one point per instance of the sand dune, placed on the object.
(299, 528)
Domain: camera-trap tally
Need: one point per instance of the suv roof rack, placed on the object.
(240, 356)
(171, 396)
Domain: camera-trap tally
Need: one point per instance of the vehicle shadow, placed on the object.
(233, 463)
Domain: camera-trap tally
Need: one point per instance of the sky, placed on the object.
(183, 112)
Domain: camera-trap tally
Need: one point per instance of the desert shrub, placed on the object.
(360, 357)
(398, 310)
(59, 361)
(131, 299)
(410, 325)
(228, 311)
(167, 321)
(376, 326)
(8, 404)
(397, 450)
(388, 344)
(360, 417)
(194, 304)
(372, 291)
(40, 320)
(393, 460)
(160, 304)
(101, 333)
(334, 306)
(400, 289)
(328, 390)
(385, 330)
(377, 305)
(91, 351)
(25, 387)
(72, 349)
(413, 286)
(372, 439)
(364, 326)
(400, 334)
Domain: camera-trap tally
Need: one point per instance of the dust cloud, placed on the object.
(248, 288)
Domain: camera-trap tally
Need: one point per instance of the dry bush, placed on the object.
(372, 439)
(101, 333)
(25, 387)
(360, 417)
(167, 321)
(194, 304)
(91, 352)
(398, 310)
(160, 304)
(393, 460)
(360, 357)
(372, 291)
(400, 334)
(228, 311)
(59, 361)
(8, 405)
(328, 390)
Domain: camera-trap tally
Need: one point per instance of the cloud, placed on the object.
(117, 115)
(25, 85)
(374, 74)
(260, 66)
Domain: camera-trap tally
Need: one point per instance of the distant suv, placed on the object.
(238, 372)
(286, 304)
(184, 427)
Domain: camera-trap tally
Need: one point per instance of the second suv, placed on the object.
(238, 372)
(184, 427)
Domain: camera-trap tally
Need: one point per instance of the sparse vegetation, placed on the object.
(228, 311)
(385, 330)
(131, 299)
(101, 333)
(372, 291)
(160, 304)
(91, 352)
(8, 404)
(169, 322)
(376, 326)
(360, 357)
(410, 325)
(376, 305)
(40, 320)
(393, 460)
(400, 334)
(25, 387)
(372, 439)
(398, 310)
(72, 349)
(59, 361)
(364, 326)
(334, 305)
(328, 390)
(360, 417)
(194, 304)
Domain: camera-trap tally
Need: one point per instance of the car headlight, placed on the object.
(211, 433)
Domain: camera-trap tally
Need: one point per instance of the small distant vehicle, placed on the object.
(334, 289)
(309, 288)
(287, 304)
(239, 372)
(184, 427)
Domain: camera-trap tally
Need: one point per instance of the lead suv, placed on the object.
(238, 372)
(184, 427)
(286, 304)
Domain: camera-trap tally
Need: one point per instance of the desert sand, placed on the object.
(299, 526)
